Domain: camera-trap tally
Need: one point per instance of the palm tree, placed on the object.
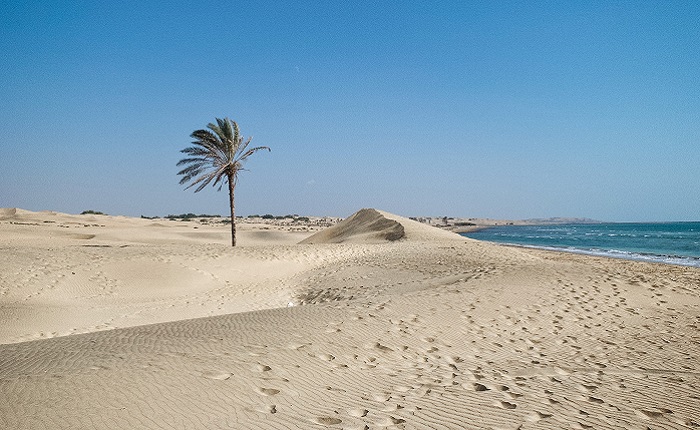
(217, 156)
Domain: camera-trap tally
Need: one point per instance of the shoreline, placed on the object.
(593, 254)
(626, 241)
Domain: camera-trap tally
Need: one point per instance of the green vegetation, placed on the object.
(217, 156)
(91, 212)
(294, 217)
(190, 215)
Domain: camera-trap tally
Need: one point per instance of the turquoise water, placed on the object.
(673, 243)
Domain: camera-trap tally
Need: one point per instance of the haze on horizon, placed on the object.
(466, 109)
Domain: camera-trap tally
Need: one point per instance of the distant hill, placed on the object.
(561, 220)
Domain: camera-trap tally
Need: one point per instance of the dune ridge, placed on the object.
(365, 226)
(375, 226)
(427, 331)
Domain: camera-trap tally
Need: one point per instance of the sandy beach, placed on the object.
(378, 322)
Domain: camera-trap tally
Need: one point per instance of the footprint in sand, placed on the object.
(506, 405)
(358, 413)
(268, 391)
(378, 397)
(477, 387)
(267, 409)
(328, 421)
(378, 346)
(392, 408)
(220, 376)
(262, 368)
(648, 414)
(584, 387)
(390, 421)
(326, 357)
(537, 416)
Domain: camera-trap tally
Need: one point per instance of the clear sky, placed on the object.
(471, 109)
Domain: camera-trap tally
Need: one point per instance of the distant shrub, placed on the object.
(294, 217)
(190, 215)
(181, 216)
(91, 212)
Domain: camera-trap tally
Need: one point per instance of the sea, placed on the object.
(664, 242)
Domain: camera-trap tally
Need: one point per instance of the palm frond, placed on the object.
(251, 152)
(202, 181)
(205, 135)
(196, 151)
(221, 176)
(192, 170)
(243, 145)
(223, 131)
(192, 160)
(208, 141)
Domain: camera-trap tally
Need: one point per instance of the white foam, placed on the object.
(616, 253)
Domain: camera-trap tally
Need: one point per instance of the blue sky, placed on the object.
(484, 109)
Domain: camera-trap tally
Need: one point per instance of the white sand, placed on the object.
(429, 331)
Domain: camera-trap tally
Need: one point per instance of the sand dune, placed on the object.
(430, 331)
(364, 226)
(375, 226)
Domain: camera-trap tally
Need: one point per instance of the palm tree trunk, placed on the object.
(231, 186)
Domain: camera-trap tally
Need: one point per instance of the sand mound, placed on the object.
(7, 213)
(375, 226)
(13, 214)
(364, 226)
(22, 215)
(413, 230)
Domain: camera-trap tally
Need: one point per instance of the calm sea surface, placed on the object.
(673, 243)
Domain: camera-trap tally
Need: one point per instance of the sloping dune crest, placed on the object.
(365, 226)
(7, 212)
(374, 226)
(10, 213)
(415, 231)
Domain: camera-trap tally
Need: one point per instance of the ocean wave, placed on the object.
(678, 260)
(670, 243)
